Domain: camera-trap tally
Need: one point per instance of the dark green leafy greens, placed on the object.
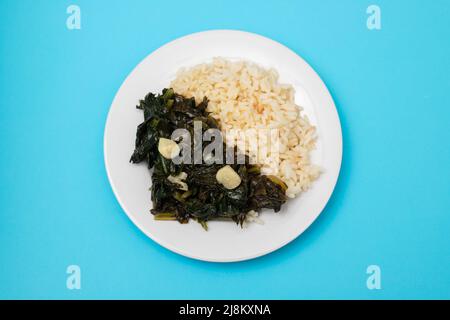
(205, 199)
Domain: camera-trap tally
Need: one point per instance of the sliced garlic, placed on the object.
(178, 179)
(228, 177)
(168, 148)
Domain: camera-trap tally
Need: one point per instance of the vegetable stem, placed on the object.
(165, 216)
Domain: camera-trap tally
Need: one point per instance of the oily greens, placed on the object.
(198, 195)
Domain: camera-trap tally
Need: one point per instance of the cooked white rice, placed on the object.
(251, 217)
(245, 96)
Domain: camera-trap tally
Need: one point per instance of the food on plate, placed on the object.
(204, 191)
(194, 137)
(169, 149)
(227, 177)
(243, 95)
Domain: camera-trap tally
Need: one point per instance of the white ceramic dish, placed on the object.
(224, 242)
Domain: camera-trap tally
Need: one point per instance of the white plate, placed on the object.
(224, 242)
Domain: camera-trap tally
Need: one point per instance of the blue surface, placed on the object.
(391, 206)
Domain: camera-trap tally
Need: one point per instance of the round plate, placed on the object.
(224, 241)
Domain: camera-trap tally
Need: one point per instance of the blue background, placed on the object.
(391, 206)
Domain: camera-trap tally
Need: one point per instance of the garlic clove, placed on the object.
(169, 149)
(178, 180)
(228, 177)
